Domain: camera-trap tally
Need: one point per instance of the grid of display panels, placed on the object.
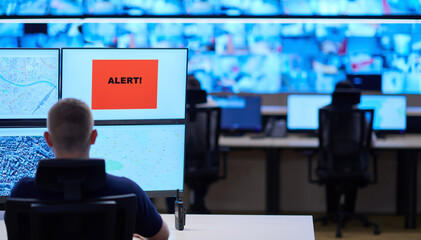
(257, 55)
(138, 99)
(29, 86)
(209, 7)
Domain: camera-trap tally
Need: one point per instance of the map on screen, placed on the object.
(20, 151)
(150, 155)
(28, 82)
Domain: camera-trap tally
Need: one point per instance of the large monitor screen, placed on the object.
(127, 84)
(150, 155)
(389, 111)
(240, 113)
(28, 82)
(20, 151)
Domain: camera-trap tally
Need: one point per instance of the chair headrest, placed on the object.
(196, 96)
(346, 97)
(70, 176)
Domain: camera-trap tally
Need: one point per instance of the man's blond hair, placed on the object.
(70, 125)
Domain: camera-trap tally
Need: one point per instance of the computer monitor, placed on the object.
(303, 111)
(150, 155)
(20, 151)
(29, 82)
(389, 111)
(240, 113)
(127, 84)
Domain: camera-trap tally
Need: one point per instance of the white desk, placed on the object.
(406, 144)
(243, 227)
(404, 141)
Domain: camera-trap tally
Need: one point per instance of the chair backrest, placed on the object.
(344, 141)
(202, 139)
(110, 218)
(71, 216)
(72, 177)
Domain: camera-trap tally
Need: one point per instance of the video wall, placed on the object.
(239, 57)
(210, 7)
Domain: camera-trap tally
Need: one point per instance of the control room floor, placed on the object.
(391, 227)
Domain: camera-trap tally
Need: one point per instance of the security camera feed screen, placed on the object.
(256, 57)
(20, 151)
(28, 82)
(211, 7)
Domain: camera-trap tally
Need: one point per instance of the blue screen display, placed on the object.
(240, 113)
(211, 7)
(389, 111)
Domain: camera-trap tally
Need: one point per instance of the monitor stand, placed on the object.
(233, 134)
(380, 135)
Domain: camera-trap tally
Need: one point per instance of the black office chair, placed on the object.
(344, 157)
(202, 161)
(69, 212)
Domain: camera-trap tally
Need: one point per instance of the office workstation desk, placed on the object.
(405, 145)
(233, 227)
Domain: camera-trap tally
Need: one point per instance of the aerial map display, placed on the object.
(28, 83)
(150, 155)
(20, 152)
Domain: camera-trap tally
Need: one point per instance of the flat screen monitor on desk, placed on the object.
(389, 111)
(240, 113)
(29, 82)
(303, 111)
(150, 155)
(127, 84)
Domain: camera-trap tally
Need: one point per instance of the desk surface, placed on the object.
(233, 227)
(395, 141)
(242, 227)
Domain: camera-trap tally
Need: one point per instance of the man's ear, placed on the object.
(94, 134)
(47, 137)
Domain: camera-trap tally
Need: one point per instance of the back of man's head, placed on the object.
(345, 94)
(70, 126)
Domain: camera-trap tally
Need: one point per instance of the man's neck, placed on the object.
(75, 155)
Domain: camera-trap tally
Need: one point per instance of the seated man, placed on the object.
(70, 134)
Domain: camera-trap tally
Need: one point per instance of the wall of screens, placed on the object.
(210, 7)
(251, 56)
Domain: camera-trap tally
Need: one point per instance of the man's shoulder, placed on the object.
(121, 180)
(122, 185)
(23, 187)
